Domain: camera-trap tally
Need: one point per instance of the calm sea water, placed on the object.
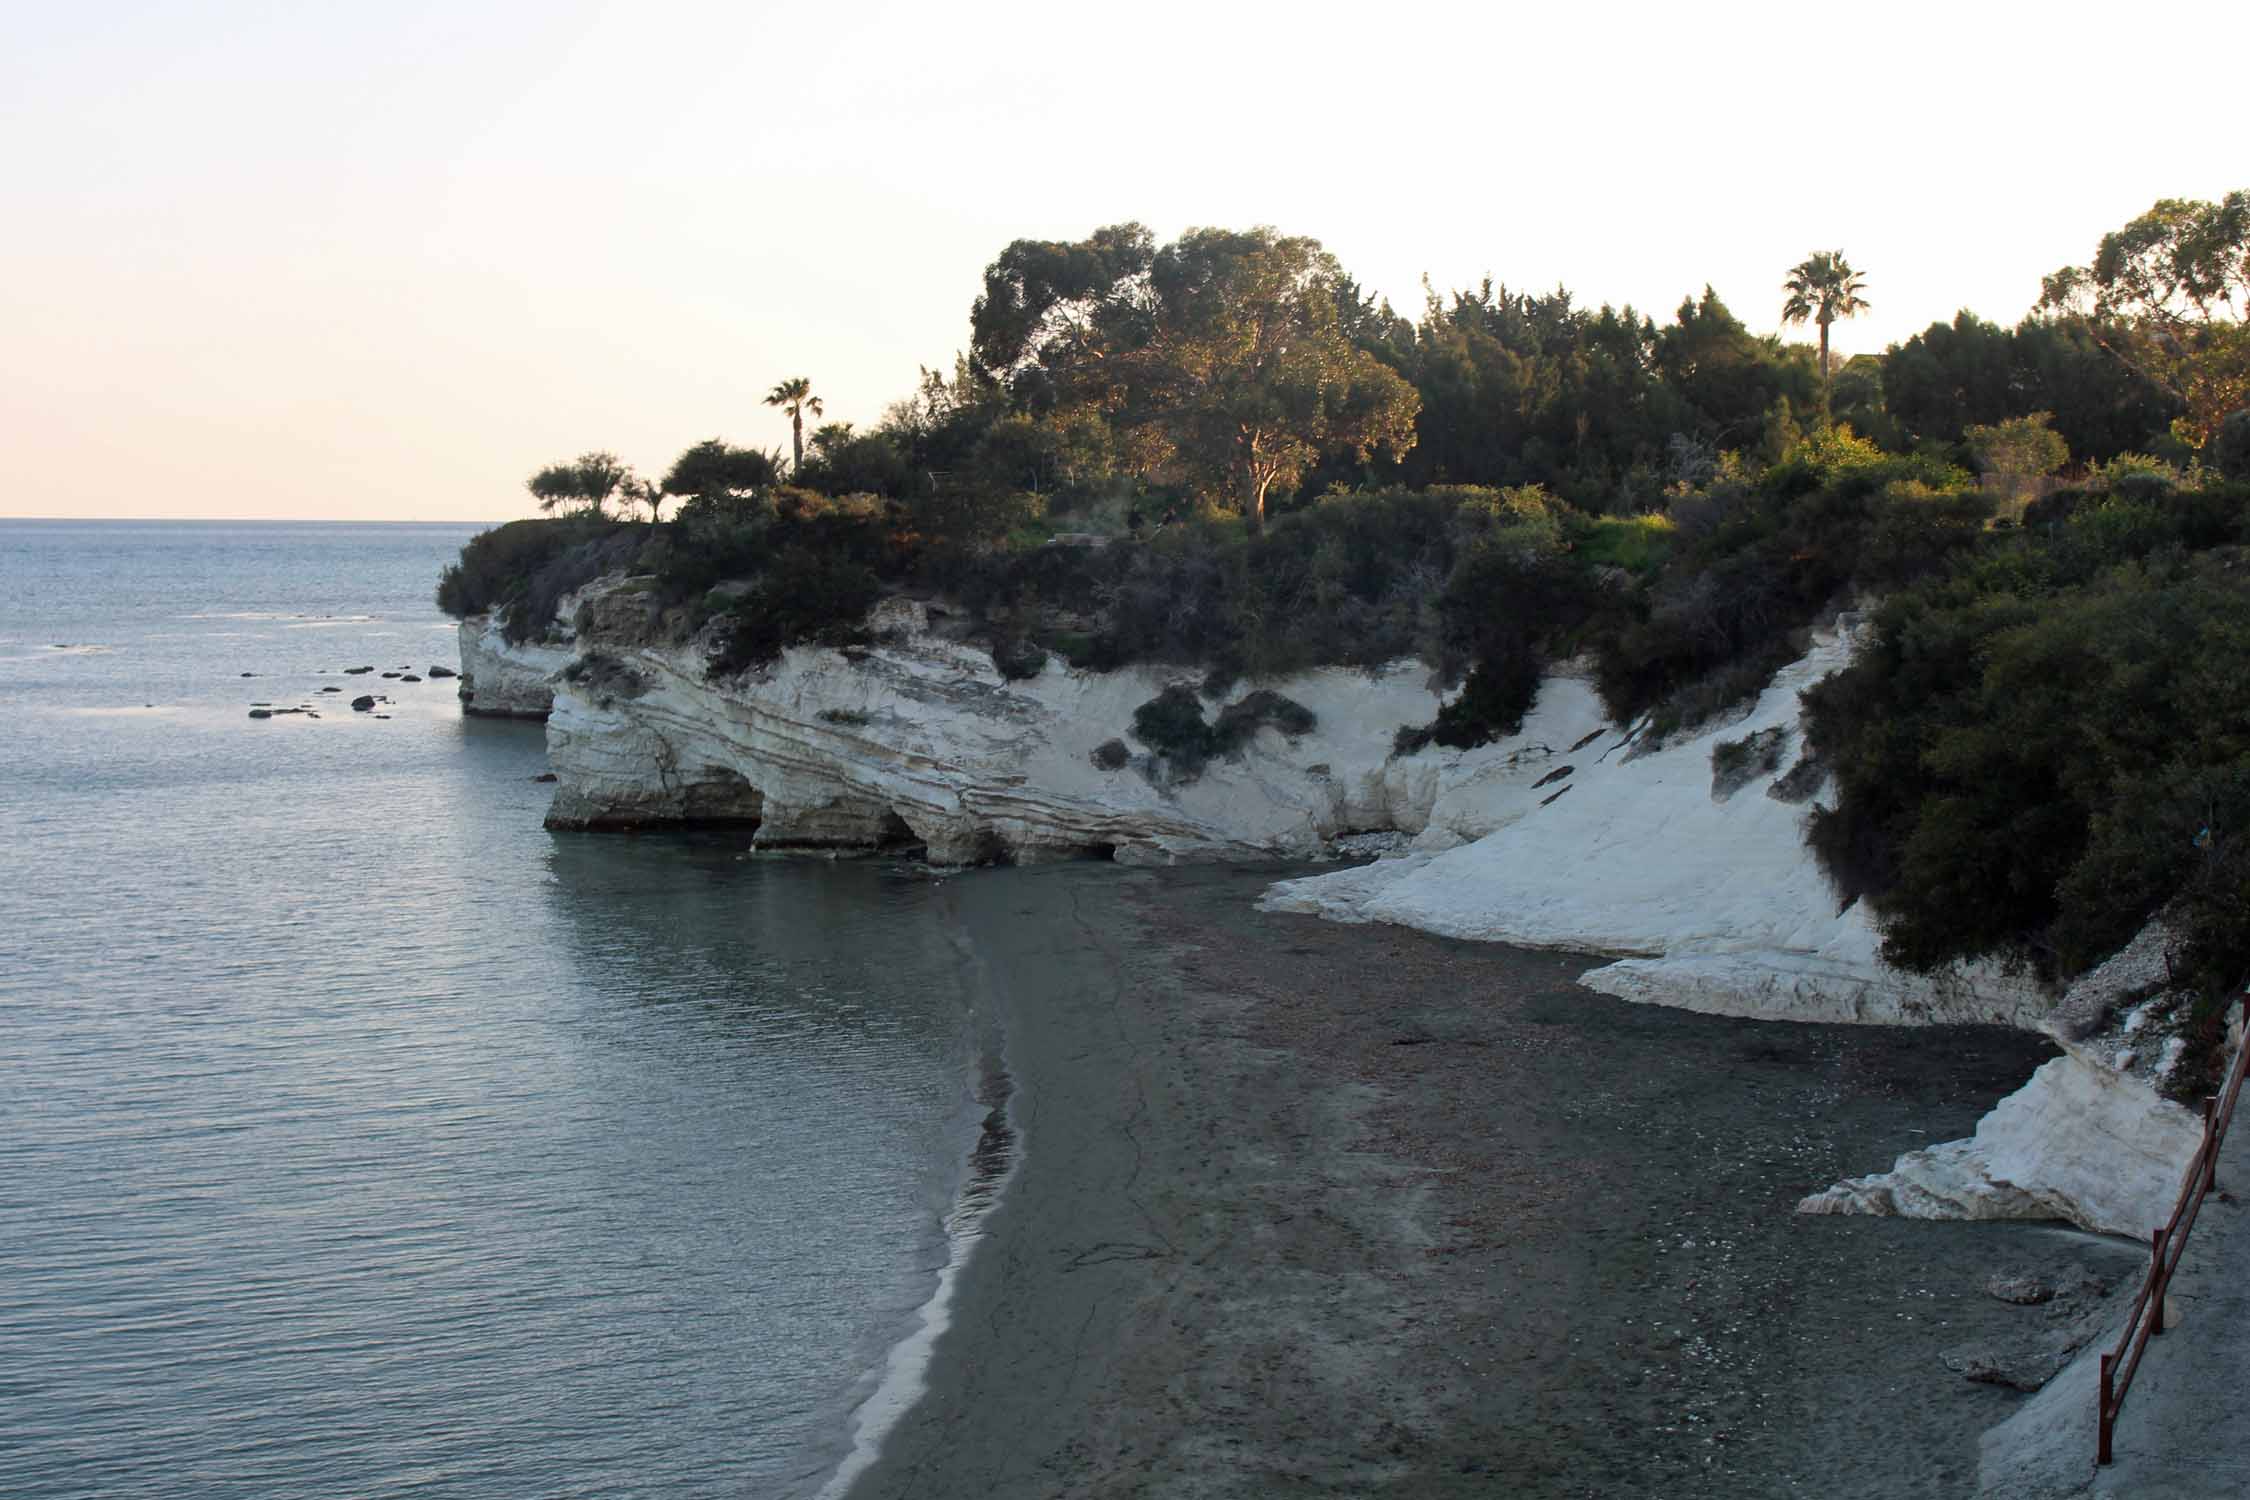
(357, 1136)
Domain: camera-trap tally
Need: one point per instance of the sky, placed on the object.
(382, 261)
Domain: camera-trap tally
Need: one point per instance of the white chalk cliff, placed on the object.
(920, 740)
(508, 680)
(1568, 834)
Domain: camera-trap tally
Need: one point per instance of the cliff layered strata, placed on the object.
(505, 680)
(921, 741)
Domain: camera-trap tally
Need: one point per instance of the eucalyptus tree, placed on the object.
(1823, 288)
(796, 398)
(2169, 295)
(1222, 357)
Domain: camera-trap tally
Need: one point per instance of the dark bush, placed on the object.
(2021, 752)
(1239, 723)
(1111, 755)
(803, 597)
(1492, 704)
(2230, 446)
(1735, 763)
(534, 614)
(1018, 659)
(498, 569)
(1171, 724)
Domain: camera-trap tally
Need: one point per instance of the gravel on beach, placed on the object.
(1310, 1209)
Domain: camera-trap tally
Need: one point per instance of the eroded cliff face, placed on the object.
(507, 681)
(921, 741)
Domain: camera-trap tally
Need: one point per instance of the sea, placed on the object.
(359, 1136)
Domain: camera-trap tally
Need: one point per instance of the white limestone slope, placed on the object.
(2089, 1139)
(921, 740)
(1561, 837)
(2080, 1141)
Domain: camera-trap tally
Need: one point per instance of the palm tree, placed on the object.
(1823, 289)
(796, 398)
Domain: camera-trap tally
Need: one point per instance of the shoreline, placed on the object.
(902, 1377)
(1296, 1206)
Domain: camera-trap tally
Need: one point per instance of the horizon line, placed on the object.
(288, 520)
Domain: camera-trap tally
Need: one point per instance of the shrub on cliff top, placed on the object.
(506, 567)
(803, 597)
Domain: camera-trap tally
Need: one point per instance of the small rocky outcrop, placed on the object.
(365, 703)
(2072, 1311)
(503, 679)
(2090, 1139)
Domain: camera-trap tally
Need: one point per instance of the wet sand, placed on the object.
(1312, 1209)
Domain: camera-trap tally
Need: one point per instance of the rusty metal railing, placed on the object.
(2165, 1247)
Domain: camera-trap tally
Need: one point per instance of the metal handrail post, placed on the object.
(2156, 1281)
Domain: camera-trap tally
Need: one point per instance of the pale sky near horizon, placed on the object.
(381, 261)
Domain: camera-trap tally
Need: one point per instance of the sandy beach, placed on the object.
(1314, 1209)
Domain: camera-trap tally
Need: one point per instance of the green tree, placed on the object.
(796, 398)
(1729, 375)
(2168, 295)
(716, 471)
(589, 481)
(1823, 288)
(2016, 454)
(1952, 376)
(1222, 356)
